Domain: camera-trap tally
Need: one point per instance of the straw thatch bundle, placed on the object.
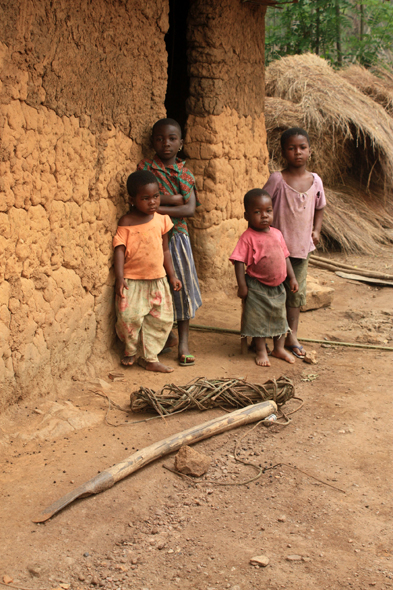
(352, 147)
(378, 85)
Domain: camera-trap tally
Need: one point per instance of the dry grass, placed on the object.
(352, 146)
(378, 86)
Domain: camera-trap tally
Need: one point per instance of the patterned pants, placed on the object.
(144, 317)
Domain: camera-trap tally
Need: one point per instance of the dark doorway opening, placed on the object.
(176, 44)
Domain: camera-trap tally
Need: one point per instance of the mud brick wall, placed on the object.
(80, 85)
(226, 137)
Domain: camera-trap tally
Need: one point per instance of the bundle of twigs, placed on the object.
(204, 394)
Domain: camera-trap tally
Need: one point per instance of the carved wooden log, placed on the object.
(106, 479)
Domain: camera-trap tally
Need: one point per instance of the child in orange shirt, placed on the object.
(142, 264)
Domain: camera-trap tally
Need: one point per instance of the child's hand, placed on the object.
(315, 237)
(242, 292)
(119, 287)
(294, 285)
(175, 283)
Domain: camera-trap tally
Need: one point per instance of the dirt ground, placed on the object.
(157, 531)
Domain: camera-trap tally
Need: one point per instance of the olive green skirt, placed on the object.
(264, 313)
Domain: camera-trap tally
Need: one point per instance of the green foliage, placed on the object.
(342, 31)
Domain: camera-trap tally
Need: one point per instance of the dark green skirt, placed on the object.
(264, 313)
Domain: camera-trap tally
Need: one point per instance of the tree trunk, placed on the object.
(338, 34)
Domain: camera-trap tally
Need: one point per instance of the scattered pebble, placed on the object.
(282, 518)
(7, 579)
(260, 560)
(294, 558)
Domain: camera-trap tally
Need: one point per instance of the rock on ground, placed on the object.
(191, 462)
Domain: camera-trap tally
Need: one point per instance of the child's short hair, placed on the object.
(138, 179)
(252, 194)
(162, 122)
(291, 133)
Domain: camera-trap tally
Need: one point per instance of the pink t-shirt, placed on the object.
(293, 212)
(264, 255)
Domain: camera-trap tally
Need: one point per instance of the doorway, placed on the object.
(176, 45)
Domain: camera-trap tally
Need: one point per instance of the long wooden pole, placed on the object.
(333, 265)
(202, 328)
(108, 478)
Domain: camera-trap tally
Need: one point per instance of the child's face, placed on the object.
(147, 199)
(296, 151)
(259, 213)
(167, 142)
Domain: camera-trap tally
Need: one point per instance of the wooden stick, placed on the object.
(332, 265)
(202, 328)
(106, 479)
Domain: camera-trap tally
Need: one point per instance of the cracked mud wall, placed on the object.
(226, 137)
(80, 85)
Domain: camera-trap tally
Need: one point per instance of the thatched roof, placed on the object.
(352, 146)
(378, 85)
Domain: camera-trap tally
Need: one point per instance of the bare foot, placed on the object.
(262, 359)
(157, 367)
(128, 361)
(283, 354)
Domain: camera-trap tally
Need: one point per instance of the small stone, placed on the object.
(293, 558)
(318, 295)
(260, 560)
(86, 554)
(191, 462)
(34, 570)
(7, 579)
(81, 577)
(306, 559)
(282, 518)
(311, 357)
(170, 550)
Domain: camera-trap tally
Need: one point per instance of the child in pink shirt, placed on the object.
(262, 249)
(298, 203)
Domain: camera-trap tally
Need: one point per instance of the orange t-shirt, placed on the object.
(144, 256)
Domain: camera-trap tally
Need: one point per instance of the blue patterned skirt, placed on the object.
(188, 299)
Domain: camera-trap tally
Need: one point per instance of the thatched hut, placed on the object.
(352, 147)
(377, 84)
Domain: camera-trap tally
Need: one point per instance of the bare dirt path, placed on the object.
(158, 532)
